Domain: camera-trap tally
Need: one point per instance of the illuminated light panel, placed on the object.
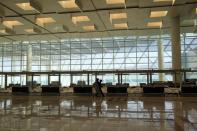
(3, 32)
(196, 10)
(12, 23)
(30, 5)
(158, 13)
(45, 20)
(112, 2)
(7, 31)
(25, 6)
(121, 26)
(68, 4)
(76, 19)
(118, 16)
(33, 30)
(155, 24)
(29, 30)
(173, 1)
(89, 28)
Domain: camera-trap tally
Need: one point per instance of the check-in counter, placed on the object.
(153, 89)
(115, 89)
(50, 89)
(83, 89)
(20, 89)
(189, 88)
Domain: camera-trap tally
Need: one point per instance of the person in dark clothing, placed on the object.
(96, 84)
(100, 85)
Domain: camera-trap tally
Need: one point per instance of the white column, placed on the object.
(176, 46)
(29, 60)
(160, 58)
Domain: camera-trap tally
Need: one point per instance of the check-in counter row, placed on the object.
(111, 89)
(44, 89)
(160, 89)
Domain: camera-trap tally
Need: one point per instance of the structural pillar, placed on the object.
(29, 58)
(29, 64)
(160, 58)
(88, 79)
(176, 46)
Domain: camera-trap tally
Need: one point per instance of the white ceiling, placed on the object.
(138, 12)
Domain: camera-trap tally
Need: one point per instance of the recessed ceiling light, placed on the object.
(44, 20)
(7, 31)
(29, 30)
(33, 30)
(89, 27)
(112, 2)
(25, 6)
(114, 16)
(158, 13)
(173, 1)
(3, 32)
(11, 23)
(68, 4)
(155, 24)
(29, 6)
(76, 19)
(121, 26)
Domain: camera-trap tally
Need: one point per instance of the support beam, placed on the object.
(176, 46)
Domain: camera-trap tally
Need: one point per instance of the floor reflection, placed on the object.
(58, 113)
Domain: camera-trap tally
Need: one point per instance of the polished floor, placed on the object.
(87, 113)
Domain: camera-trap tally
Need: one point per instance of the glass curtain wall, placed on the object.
(123, 53)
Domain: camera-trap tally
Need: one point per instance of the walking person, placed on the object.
(100, 85)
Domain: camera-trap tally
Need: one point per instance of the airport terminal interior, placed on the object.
(98, 65)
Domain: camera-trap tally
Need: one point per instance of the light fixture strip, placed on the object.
(89, 27)
(114, 2)
(173, 1)
(121, 26)
(68, 4)
(155, 24)
(10, 24)
(77, 19)
(158, 14)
